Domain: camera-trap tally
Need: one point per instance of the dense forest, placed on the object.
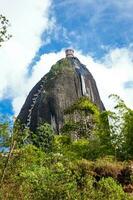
(90, 159)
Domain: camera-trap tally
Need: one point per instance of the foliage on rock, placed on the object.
(82, 116)
(59, 67)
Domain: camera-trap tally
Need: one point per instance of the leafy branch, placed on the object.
(4, 25)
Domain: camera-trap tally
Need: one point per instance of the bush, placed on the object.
(107, 167)
(43, 138)
(108, 189)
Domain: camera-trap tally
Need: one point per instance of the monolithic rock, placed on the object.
(67, 81)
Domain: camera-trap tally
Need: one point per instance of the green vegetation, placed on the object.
(59, 68)
(43, 138)
(81, 118)
(92, 159)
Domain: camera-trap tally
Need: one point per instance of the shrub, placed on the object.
(108, 189)
(43, 138)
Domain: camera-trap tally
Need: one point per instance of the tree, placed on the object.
(121, 125)
(43, 138)
(4, 24)
(81, 118)
(5, 135)
(127, 131)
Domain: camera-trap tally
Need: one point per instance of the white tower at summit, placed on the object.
(69, 53)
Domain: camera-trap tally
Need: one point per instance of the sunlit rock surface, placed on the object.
(67, 81)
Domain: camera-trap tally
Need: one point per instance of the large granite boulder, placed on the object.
(67, 81)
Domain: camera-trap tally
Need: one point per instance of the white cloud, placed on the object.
(110, 74)
(28, 20)
(39, 70)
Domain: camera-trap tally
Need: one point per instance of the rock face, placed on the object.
(67, 81)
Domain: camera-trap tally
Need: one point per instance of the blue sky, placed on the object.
(90, 25)
(100, 31)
